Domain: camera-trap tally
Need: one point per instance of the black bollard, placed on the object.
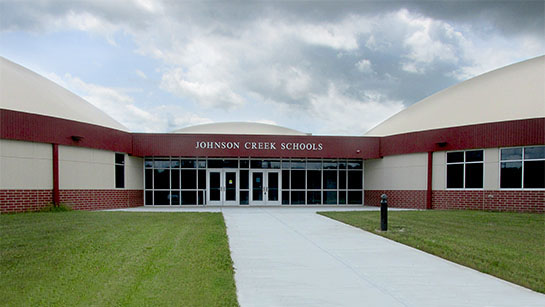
(383, 212)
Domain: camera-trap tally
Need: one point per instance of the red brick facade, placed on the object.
(33, 200)
(24, 200)
(520, 201)
(415, 199)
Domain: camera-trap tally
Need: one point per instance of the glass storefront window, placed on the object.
(330, 197)
(161, 163)
(183, 180)
(175, 179)
(174, 163)
(298, 164)
(297, 179)
(314, 180)
(330, 165)
(355, 164)
(314, 197)
(189, 179)
(314, 164)
(297, 197)
(188, 164)
(244, 164)
(161, 179)
(330, 179)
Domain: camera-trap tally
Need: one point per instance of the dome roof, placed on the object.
(25, 91)
(510, 93)
(238, 128)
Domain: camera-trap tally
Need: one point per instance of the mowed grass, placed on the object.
(115, 258)
(510, 246)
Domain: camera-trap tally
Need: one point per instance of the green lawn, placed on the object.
(510, 246)
(115, 258)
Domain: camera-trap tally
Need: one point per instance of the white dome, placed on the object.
(238, 128)
(510, 93)
(25, 91)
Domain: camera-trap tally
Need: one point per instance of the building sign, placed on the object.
(291, 146)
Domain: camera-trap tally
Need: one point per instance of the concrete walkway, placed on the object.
(295, 257)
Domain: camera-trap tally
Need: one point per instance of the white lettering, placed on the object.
(259, 146)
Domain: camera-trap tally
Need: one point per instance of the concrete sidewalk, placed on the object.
(295, 257)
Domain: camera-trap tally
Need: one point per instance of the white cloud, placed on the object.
(208, 92)
(484, 56)
(140, 74)
(429, 41)
(341, 35)
(344, 115)
(364, 66)
(120, 106)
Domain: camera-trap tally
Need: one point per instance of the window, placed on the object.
(522, 167)
(119, 170)
(465, 169)
(183, 180)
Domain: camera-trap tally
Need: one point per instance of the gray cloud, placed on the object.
(329, 58)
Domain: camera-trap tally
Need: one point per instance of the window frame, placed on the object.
(522, 160)
(116, 165)
(464, 163)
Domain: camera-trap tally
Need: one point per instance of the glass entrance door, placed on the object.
(222, 187)
(265, 187)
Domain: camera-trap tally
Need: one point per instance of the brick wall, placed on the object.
(33, 200)
(101, 199)
(24, 200)
(397, 198)
(519, 201)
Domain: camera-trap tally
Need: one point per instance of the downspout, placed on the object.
(56, 194)
(429, 186)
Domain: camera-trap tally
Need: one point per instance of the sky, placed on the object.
(321, 67)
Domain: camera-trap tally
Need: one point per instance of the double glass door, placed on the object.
(222, 187)
(265, 187)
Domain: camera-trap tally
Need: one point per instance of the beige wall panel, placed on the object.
(491, 169)
(87, 155)
(439, 176)
(16, 173)
(134, 173)
(85, 168)
(399, 172)
(22, 149)
(26, 165)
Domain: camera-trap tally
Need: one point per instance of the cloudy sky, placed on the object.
(325, 67)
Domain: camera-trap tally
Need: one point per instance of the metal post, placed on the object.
(384, 212)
